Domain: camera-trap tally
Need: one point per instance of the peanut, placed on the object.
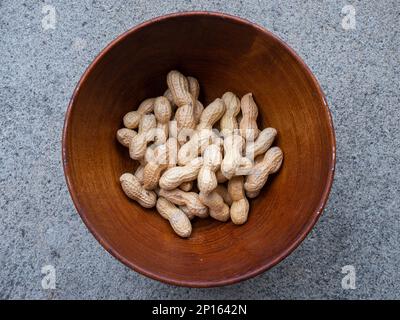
(211, 114)
(198, 110)
(223, 192)
(162, 112)
(134, 190)
(147, 133)
(184, 117)
(173, 177)
(259, 174)
(147, 123)
(170, 98)
(196, 145)
(228, 122)
(179, 88)
(180, 223)
(234, 163)
(132, 119)
(218, 209)
(262, 143)
(186, 186)
(172, 146)
(206, 180)
(125, 135)
(153, 169)
(240, 205)
(157, 160)
(248, 124)
(194, 89)
(185, 102)
(191, 201)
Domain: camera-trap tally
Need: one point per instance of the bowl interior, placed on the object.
(224, 54)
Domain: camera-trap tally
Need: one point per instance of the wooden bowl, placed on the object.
(224, 53)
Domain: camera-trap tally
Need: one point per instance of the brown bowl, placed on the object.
(224, 53)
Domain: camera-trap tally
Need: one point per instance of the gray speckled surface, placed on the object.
(359, 71)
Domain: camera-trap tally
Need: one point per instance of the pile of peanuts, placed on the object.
(178, 140)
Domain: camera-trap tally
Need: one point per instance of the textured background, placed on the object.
(358, 70)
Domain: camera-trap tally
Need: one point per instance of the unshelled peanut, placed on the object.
(234, 163)
(218, 209)
(148, 132)
(188, 199)
(134, 190)
(186, 186)
(179, 87)
(173, 177)
(132, 119)
(259, 174)
(139, 173)
(125, 135)
(261, 144)
(194, 89)
(197, 144)
(162, 113)
(248, 124)
(154, 167)
(180, 223)
(240, 205)
(228, 123)
(207, 180)
(223, 192)
(211, 114)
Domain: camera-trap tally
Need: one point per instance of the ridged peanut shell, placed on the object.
(218, 209)
(228, 122)
(188, 199)
(261, 144)
(211, 114)
(178, 220)
(132, 119)
(271, 163)
(240, 205)
(173, 177)
(134, 190)
(207, 180)
(179, 87)
(125, 135)
(248, 124)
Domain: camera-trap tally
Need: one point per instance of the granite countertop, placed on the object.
(43, 56)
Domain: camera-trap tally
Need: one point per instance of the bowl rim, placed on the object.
(160, 277)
